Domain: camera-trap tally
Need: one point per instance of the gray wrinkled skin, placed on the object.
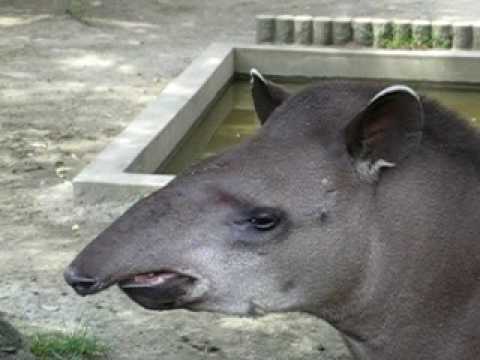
(377, 222)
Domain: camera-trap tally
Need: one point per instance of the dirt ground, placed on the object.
(69, 82)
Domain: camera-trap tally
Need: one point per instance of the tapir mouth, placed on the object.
(161, 290)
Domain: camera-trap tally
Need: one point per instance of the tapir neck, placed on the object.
(421, 292)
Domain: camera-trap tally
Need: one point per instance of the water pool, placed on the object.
(232, 119)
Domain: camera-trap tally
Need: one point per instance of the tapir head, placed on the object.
(281, 222)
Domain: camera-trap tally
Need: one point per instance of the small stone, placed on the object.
(61, 171)
(51, 308)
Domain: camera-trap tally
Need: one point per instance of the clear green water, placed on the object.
(232, 119)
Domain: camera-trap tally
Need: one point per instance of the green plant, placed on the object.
(425, 43)
(384, 36)
(76, 9)
(399, 43)
(77, 345)
(442, 43)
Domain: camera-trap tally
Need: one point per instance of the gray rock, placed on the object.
(12, 346)
(195, 336)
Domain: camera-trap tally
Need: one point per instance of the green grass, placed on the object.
(77, 10)
(78, 345)
(407, 43)
(442, 42)
(398, 43)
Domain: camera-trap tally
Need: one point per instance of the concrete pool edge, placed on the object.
(414, 65)
(125, 167)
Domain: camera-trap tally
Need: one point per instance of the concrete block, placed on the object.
(284, 25)
(265, 28)
(303, 30)
(462, 35)
(382, 33)
(476, 36)
(402, 33)
(362, 31)
(322, 31)
(341, 31)
(421, 34)
(441, 35)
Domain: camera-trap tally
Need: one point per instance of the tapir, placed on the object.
(357, 202)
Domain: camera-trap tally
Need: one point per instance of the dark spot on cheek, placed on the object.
(223, 198)
(287, 285)
(323, 216)
(262, 252)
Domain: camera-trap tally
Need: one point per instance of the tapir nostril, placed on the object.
(81, 284)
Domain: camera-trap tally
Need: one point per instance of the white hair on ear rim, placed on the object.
(255, 72)
(394, 89)
(370, 171)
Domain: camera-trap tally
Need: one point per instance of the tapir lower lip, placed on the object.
(160, 290)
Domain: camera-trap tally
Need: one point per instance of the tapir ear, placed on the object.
(266, 95)
(388, 130)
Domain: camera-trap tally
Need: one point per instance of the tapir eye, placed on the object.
(264, 219)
